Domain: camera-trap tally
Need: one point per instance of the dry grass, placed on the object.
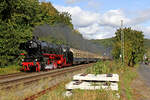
(10, 69)
(58, 94)
(21, 92)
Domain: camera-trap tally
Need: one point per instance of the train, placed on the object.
(42, 55)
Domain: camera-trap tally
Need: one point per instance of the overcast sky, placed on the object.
(99, 19)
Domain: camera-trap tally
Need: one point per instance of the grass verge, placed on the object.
(10, 69)
(126, 78)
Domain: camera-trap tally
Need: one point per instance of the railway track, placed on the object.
(19, 75)
(28, 78)
(33, 97)
(11, 75)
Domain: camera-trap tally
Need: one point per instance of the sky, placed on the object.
(99, 19)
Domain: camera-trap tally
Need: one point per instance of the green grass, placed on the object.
(125, 82)
(10, 69)
(105, 67)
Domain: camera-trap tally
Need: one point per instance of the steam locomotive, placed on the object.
(41, 55)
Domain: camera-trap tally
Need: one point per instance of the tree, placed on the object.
(17, 18)
(51, 16)
(133, 46)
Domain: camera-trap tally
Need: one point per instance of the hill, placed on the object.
(108, 44)
(105, 42)
(147, 43)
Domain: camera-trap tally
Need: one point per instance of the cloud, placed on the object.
(94, 25)
(142, 16)
(113, 18)
(80, 18)
(97, 32)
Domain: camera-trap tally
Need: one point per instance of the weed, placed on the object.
(9, 69)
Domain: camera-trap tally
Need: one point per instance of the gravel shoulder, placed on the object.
(141, 85)
(144, 73)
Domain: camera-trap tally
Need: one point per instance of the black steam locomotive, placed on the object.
(42, 55)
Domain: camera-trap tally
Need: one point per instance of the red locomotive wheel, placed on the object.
(38, 67)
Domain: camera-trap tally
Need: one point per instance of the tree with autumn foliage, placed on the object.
(51, 16)
(18, 18)
(133, 46)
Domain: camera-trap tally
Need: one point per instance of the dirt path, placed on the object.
(141, 85)
(144, 72)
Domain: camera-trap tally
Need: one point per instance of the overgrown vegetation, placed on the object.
(126, 78)
(105, 67)
(57, 94)
(133, 46)
(10, 69)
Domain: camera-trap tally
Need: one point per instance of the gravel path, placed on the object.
(141, 85)
(144, 72)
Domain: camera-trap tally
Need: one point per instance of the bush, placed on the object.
(104, 67)
(133, 46)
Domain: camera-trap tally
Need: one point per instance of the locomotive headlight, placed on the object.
(22, 59)
(35, 59)
(64, 50)
(31, 41)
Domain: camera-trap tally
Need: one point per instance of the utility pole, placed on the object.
(122, 43)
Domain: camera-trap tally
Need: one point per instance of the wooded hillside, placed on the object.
(18, 18)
